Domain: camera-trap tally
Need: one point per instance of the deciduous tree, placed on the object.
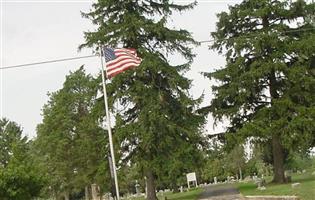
(71, 140)
(19, 175)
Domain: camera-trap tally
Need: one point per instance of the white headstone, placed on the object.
(137, 186)
(95, 191)
(294, 185)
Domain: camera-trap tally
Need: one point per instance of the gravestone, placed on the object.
(295, 185)
(95, 192)
(247, 179)
(261, 183)
(255, 177)
(107, 196)
(137, 186)
(261, 188)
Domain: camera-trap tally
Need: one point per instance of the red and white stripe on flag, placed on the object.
(119, 60)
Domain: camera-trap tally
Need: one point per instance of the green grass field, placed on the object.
(306, 191)
(190, 195)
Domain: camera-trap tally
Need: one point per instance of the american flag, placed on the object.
(119, 60)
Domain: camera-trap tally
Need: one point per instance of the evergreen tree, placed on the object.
(70, 141)
(159, 128)
(267, 86)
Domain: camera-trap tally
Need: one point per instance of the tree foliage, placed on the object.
(267, 87)
(19, 175)
(223, 160)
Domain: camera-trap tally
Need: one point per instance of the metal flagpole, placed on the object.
(109, 129)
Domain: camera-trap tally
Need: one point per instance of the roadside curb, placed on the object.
(270, 197)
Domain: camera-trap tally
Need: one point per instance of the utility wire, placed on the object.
(206, 41)
(81, 57)
(45, 62)
(290, 31)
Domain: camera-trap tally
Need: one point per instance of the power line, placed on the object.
(206, 41)
(289, 31)
(45, 62)
(81, 57)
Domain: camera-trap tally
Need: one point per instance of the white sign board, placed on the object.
(191, 177)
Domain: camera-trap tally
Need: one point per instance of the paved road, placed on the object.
(220, 192)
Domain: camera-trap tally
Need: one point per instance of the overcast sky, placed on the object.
(36, 31)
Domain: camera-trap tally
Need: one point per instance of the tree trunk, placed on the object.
(66, 196)
(277, 149)
(278, 160)
(151, 195)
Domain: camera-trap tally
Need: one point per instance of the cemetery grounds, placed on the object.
(305, 190)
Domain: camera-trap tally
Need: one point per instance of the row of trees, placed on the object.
(266, 92)
(71, 148)
(25, 174)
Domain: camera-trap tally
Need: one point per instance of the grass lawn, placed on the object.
(190, 195)
(306, 191)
